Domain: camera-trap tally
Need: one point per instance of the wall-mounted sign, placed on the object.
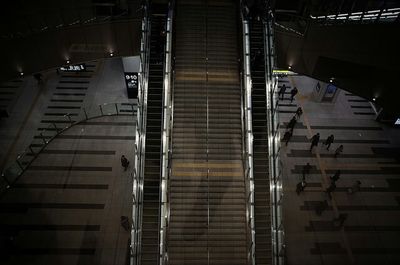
(131, 80)
(73, 68)
(397, 122)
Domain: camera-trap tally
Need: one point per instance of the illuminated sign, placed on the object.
(397, 122)
(131, 81)
(280, 72)
(74, 68)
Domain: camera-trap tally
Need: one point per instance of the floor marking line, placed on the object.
(325, 180)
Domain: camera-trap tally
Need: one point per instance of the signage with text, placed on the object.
(73, 68)
(131, 80)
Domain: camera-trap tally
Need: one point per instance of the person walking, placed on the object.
(356, 187)
(293, 93)
(287, 136)
(322, 206)
(299, 111)
(292, 123)
(340, 219)
(282, 91)
(300, 187)
(331, 189)
(38, 77)
(125, 223)
(338, 151)
(336, 176)
(306, 171)
(314, 141)
(124, 162)
(329, 141)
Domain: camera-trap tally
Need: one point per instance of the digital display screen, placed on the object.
(73, 68)
(131, 81)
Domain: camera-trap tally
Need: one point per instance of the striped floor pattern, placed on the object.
(370, 233)
(9, 93)
(66, 208)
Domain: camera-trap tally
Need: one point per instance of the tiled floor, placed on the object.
(370, 234)
(66, 208)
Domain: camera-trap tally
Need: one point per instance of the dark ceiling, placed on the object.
(21, 18)
(37, 35)
(306, 8)
(360, 52)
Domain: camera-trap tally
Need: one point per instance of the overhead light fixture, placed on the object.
(111, 54)
(289, 67)
(67, 61)
(21, 73)
(373, 99)
(331, 80)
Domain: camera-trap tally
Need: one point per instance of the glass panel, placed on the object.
(12, 172)
(94, 111)
(3, 185)
(109, 109)
(25, 159)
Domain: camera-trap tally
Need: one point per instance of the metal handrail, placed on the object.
(273, 142)
(166, 137)
(248, 136)
(47, 135)
(136, 232)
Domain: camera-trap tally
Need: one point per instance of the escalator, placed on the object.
(207, 192)
(151, 185)
(260, 147)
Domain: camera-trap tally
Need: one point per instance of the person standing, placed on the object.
(300, 187)
(340, 219)
(314, 141)
(338, 150)
(287, 136)
(331, 189)
(124, 162)
(306, 171)
(355, 187)
(336, 176)
(329, 141)
(282, 91)
(322, 206)
(293, 93)
(292, 123)
(299, 111)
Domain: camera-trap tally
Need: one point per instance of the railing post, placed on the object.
(84, 111)
(6, 180)
(55, 127)
(19, 163)
(43, 138)
(30, 148)
(116, 108)
(101, 110)
(69, 118)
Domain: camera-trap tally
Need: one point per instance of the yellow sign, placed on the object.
(285, 72)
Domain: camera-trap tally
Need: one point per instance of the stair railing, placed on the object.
(12, 173)
(275, 171)
(247, 137)
(167, 122)
(140, 139)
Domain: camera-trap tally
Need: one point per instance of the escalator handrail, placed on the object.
(273, 143)
(247, 136)
(167, 125)
(136, 234)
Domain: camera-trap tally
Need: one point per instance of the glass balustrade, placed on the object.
(45, 136)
